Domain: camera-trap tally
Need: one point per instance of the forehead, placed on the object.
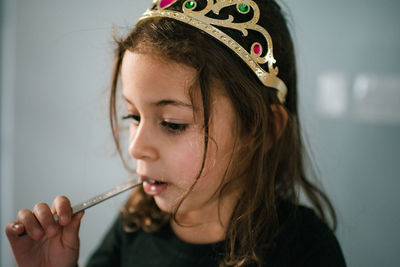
(151, 75)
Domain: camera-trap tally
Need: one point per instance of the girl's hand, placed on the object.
(37, 240)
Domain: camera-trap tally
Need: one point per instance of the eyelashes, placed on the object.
(135, 118)
(171, 127)
(174, 127)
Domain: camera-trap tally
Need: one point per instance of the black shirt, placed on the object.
(306, 241)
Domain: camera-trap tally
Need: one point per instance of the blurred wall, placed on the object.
(56, 62)
(1, 42)
(56, 65)
(349, 83)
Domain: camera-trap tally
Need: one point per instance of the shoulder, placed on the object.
(107, 253)
(158, 248)
(115, 245)
(305, 240)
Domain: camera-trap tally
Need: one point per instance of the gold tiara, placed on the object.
(205, 18)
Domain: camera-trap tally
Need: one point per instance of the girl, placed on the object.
(214, 130)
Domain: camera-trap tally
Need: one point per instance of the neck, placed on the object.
(205, 225)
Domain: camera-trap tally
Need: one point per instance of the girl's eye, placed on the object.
(169, 126)
(174, 127)
(135, 118)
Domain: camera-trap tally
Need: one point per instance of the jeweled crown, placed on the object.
(206, 18)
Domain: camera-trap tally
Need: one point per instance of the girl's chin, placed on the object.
(164, 205)
(170, 207)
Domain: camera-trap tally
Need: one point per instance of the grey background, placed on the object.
(55, 67)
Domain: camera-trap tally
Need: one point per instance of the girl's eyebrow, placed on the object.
(166, 102)
(173, 102)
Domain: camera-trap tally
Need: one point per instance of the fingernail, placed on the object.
(16, 226)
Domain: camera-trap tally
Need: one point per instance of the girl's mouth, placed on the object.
(153, 187)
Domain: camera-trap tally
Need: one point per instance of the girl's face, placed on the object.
(167, 134)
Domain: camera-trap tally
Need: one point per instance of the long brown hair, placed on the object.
(269, 177)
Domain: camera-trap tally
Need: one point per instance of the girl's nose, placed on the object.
(141, 144)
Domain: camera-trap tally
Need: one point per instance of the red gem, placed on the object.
(165, 3)
(257, 49)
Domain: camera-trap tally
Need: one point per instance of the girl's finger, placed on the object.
(31, 225)
(14, 230)
(19, 241)
(71, 231)
(43, 214)
(62, 207)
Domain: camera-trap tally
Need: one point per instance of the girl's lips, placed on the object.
(143, 179)
(153, 187)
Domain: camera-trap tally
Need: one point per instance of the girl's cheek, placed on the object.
(187, 162)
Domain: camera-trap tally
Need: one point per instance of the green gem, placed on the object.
(190, 4)
(243, 8)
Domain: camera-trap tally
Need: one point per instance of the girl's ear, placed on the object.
(280, 118)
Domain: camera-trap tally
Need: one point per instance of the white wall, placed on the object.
(57, 58)
(7, 69)
(356, 141)
(55, 67)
